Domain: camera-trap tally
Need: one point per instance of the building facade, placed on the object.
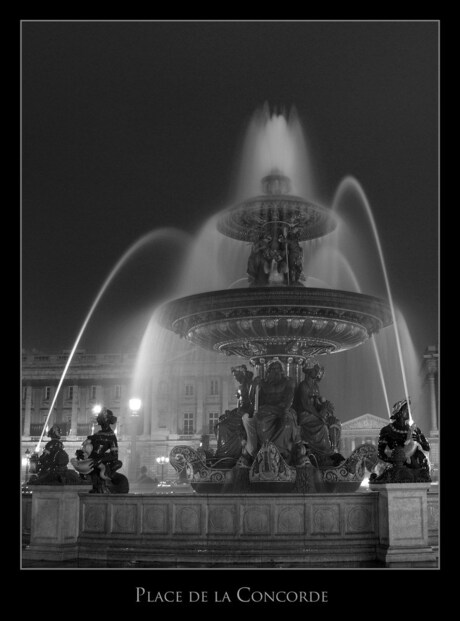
(181, 402)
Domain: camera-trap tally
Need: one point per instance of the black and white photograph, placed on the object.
(229, 309)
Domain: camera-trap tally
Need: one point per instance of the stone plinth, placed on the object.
(54, 525)
(404, 525)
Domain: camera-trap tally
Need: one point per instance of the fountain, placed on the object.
(275, 319)
(276, 492)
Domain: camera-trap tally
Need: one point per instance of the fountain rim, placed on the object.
(241, 232)
(289, 296)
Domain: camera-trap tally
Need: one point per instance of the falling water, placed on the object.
(349, 183)
(275, 141)
(329, 255)
(164, 233)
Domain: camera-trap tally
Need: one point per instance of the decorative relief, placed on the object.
(124, 518)
(359, 520)
(221, 520)
(290, 520)
(326, 519)
(155, 519)
(187, 519)
(256, 520)
(366, 421)
(94, 518)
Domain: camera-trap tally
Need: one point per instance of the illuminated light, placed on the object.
(97, 409)
(135, 405)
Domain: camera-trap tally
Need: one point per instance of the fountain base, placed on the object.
(269, 472)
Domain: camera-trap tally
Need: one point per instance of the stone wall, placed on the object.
(242, 531)
(363, 529)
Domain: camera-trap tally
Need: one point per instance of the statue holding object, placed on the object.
(98, 458)
(50, 468)
(402, 447)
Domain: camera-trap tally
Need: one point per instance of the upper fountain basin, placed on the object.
(285, 322)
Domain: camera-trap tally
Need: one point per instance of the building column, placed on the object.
(224, 395)
(432, 368)
(123, 428)
(199, 406)
(27, 411)
(74, 413)
(53, 414)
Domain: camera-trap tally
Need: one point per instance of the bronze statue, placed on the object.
(291, 264)
(51, 467)
(98, 458)
(401, 445)
(259, 261)
(230, 428)
(319, 427)
(275, 419)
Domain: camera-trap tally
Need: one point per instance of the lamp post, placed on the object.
(162, 461)
(134, 405)
(25, 462)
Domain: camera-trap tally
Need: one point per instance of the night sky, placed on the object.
(131, 126)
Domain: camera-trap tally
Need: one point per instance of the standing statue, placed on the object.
(291, 264)
(401, 445)
(98, 458)
(275, 419)
(319, 427)
(259, 261)
(51, 467)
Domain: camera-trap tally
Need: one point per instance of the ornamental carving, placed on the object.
(124, 518)
(188, 519)
(291, 520)
(326, 519)
(95, 517)
(221, 520)
(359, 520)
(155, 519)
(255, 520)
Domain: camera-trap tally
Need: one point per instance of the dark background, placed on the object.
(131, 126)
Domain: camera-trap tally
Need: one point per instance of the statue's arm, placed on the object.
(425, 445)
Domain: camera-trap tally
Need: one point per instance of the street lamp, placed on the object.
(25, 463)
(134, 405)
(162, 461)
(96, 410)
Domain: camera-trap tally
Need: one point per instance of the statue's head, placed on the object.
(106, 417)
(239, 372)
(316, 371)
(55, 432)
(275, 371)
(400, 411)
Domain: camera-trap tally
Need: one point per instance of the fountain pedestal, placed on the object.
(403, 525)
(54, 526)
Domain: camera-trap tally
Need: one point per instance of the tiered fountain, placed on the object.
(275, 318)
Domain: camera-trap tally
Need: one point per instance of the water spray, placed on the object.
(350, 181)
(142, 241)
